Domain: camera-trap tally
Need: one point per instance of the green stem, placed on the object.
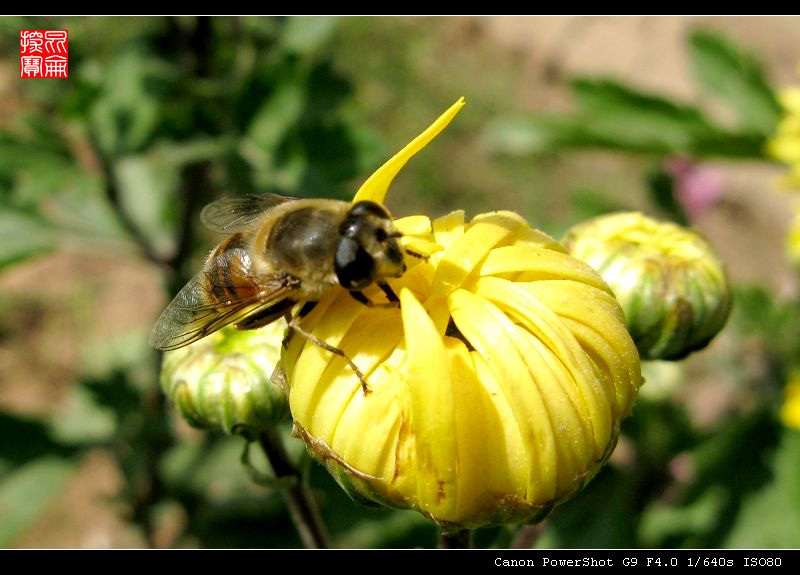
(456, 540)
(302, 507)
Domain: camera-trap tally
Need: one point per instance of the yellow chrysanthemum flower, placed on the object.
(496, 387)
(784, 146)
(790, 410)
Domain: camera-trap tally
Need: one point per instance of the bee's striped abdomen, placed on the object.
(231, 278)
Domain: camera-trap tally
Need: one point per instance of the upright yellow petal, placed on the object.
(377, 185)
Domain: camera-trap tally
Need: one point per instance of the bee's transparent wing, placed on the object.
(192, 315)
(234, 213)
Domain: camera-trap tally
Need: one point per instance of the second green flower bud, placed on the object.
(668, 279)
(223, 381)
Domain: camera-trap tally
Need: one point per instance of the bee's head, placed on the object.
(367, 249)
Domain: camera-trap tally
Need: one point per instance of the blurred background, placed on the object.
(102, 177)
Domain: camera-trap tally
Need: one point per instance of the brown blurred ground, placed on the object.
(74, 299)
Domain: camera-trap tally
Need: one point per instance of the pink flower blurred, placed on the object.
(697, 187)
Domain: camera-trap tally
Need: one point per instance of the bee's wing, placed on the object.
(233, 213)
(192, 315)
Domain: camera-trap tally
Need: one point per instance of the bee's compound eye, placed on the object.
(355, 268)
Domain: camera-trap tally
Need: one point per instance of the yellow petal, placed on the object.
(353, 438)
(430, 393)
(539, 264)
(493, 336)
(319, 377)
(790, 410)
(447, 229)
(579, 384)
(790, 99)
(377, 185)
(417, 237)
(484, 233)
(598, 326)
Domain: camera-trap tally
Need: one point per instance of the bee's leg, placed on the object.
(304, 311)
(266, 316)
(417, 255)
(360, 297)
(295, 325)
(390, 295)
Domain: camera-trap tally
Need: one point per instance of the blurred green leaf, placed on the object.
(83, 217)
(24, 439)
(305, 34)
(523, 135)
(278, 113)
(126, 112)
(27, 492)
(603, 95)
(736, 459)
(149, 184)
(80, 420)
(662, 521)
(615, 116)
(389, 529)
(600, 517)
(758, 313)
(22, 237)
(588, 203)
(735, 77)
(635, 120)
(770, 517)
(221, 476)
(662, 190)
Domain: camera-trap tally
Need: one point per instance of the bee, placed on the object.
(282, 252)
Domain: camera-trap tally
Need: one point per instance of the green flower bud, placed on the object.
(223, 381)
(670, 282)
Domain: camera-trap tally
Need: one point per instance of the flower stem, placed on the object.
(456, 540)
(302, 507)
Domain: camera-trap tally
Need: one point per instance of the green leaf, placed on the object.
(126, 113)
(25, 439)
(599, 517)
(588, 203)
(598, 95)
(624, 117)
(27, 492)
(662, 191)
(660, 521)
(617, 117)
(738, 459)
(148, 185)
(777, 323)
(392, 529)
(304, 34)
(735, 77)
(279, 112)
(80, 420)
(770, 517)
(22, 237)
(522, 135)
